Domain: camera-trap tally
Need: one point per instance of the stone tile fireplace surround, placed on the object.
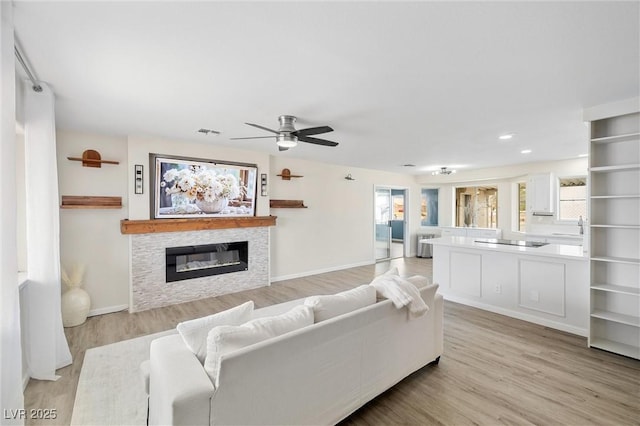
(148, 286)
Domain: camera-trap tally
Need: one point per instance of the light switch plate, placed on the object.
(263, 184)
(138, 178)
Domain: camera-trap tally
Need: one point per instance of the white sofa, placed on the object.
(315, 375)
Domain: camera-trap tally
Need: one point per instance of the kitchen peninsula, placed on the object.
(544, 284)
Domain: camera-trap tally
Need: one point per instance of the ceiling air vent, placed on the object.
(207, 131)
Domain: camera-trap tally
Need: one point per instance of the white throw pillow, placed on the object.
(329, 306)
(194, 332)
(225, 339)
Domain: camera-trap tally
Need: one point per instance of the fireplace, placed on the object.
(188, 262)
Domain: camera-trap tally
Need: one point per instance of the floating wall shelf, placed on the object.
(90, 202)
(285, 174)
(92, 158)
(287, 204)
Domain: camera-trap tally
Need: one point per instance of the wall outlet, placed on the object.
(498, 288)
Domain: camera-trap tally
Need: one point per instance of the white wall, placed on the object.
(91, 237)
(504, 178)
(10, 348)
(337, 229)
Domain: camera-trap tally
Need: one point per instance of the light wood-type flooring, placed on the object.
(495, 369)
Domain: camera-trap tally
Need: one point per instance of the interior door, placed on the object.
(383, 211)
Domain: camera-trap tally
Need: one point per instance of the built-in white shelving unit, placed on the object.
(614, 212)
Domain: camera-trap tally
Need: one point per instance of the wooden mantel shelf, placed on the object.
(180, 225)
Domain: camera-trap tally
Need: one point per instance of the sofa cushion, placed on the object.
(225, 339)
(194, 332)
(329, 306)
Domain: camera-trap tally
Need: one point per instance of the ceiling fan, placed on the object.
(287, 136)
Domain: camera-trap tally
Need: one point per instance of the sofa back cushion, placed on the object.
(195, 332)
(225, 339)
(329, 306)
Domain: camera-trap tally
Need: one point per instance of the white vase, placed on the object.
(215, 206)
(75, 307)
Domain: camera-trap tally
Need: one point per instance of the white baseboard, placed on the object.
(107, 310)
(519, 315)
(321, 271)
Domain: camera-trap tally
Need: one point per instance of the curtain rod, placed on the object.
(36, 86)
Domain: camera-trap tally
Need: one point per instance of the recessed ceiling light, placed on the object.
(583, 155)
(525, 151)
(506, 137)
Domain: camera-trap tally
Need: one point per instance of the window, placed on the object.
(477, 206)
(429, 207)
(398, 205)
(522, 206)
(572, 198)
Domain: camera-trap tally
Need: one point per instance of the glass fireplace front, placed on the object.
(183, 263)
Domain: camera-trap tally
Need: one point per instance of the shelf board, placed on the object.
(621, 167)
(617, 138)
(631, 320)
(89, 206)
(90, 202)
(611, 288)
(89, 160)
(609, 197)
(616, 347)
(287, 204)
(155, 226)
(597, 225)
(612, 259)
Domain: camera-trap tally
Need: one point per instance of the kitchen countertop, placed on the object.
(555, 235)
(550, 250)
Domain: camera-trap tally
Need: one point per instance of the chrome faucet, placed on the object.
(581, 225)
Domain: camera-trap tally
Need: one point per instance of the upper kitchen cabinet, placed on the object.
(541, 194)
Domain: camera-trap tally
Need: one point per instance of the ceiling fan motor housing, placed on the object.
(286, 123)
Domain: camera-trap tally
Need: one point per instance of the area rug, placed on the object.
(110, 388)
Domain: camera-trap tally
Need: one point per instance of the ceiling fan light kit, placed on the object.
(286, 141)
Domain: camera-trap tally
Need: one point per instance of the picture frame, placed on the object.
(185, 187)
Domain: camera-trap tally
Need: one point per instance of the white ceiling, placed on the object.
(427, 83)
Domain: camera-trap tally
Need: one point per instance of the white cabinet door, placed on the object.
(540, 193)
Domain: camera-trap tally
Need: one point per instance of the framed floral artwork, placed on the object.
(195, 187)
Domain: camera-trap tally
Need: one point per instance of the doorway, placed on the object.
(390, 223)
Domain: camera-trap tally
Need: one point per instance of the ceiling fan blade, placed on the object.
(253, 137)
(317, 141)
(263, 128)
(312, 131)
(282, 148)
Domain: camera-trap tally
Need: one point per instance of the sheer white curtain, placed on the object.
(46, 347)
(10, 352)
